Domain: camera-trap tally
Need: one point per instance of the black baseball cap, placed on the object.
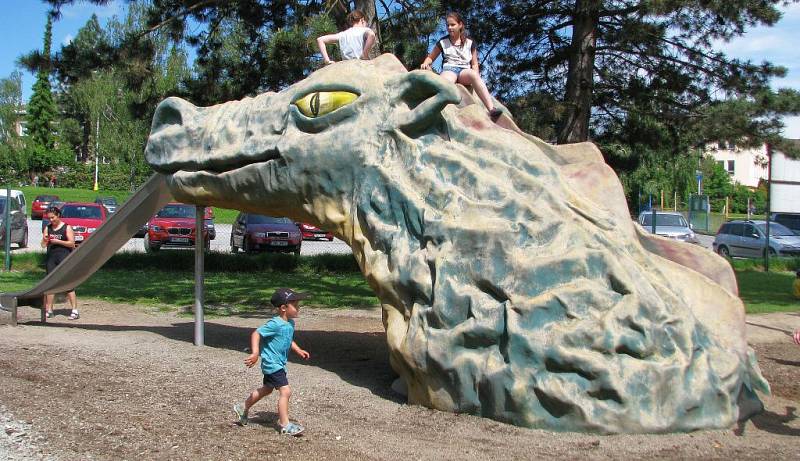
(285, 296)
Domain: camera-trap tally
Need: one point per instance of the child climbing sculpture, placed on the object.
(354, 43)
(460, 61)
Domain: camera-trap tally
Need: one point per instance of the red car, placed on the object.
(84, 218)
(253, 232)
(173, 226)
(40, 205)
(313, 232)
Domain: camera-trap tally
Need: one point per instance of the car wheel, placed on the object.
(24, 242)
(723, 251)
(150, 248)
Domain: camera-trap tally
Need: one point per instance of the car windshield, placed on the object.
(261, 219)
(665, 220)
(775, 229)
(81, 212)
(176, 211)
(46, 198)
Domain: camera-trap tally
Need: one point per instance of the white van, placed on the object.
(17, 216)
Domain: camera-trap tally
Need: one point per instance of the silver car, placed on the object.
(668, 224)
(748, 239)
(18, 220)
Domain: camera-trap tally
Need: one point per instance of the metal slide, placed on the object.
(97, 249)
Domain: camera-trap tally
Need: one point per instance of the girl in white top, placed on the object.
(354, 43)
(460, 61)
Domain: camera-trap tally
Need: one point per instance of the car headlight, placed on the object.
(91, 229)
(295, 235)
(259, 234)
(155, 228)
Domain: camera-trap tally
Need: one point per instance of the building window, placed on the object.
(731, 167)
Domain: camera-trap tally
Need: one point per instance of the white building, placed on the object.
(749, 166)
(745, 165)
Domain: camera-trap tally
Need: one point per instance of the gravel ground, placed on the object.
(125, 382)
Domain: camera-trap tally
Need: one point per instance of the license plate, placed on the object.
(179, 240)
(279, 243)
(78, 238)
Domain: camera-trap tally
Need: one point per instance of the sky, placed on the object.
(23, 24)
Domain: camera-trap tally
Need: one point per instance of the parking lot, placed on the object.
(222, 243)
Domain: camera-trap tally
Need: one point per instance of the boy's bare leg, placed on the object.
(283, 405)
(255, 396)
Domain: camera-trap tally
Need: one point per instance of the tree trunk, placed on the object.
(578, 94)
(368, 8)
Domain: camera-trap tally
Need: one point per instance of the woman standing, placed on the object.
(60, 240)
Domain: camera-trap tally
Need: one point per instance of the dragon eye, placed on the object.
(323, 102)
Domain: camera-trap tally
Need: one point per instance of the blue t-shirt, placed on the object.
(276, 339)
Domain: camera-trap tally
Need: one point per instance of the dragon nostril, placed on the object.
(167, 113)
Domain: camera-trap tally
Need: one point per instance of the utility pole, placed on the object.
(7, 223)
(769, 189)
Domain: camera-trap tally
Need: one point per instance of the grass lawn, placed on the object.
(226, 292)
(764, 292)
(229, 290)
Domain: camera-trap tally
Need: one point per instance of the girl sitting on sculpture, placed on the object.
(460, 61)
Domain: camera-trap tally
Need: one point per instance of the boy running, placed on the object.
(277, 336)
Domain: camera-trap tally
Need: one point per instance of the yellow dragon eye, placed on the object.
(323, 102)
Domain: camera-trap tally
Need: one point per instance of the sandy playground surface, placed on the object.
(126, 382)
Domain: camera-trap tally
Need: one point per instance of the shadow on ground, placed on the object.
(361, 359)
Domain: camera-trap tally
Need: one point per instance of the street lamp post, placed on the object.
(96, 153)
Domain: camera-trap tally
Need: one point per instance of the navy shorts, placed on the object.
(277, 379)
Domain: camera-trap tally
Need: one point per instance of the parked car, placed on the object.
(790, 220)
(668, 224)
(173, 226)
(84, 218)
(17, 218)
(313, 232)
(54, 204)
(40, 205)
(109, 202)
(748, 239)
(254, 232)
(209, 220)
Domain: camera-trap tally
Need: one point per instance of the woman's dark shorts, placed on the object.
(54, 259)
(277, 379)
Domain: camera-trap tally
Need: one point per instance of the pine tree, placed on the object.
(42, 107)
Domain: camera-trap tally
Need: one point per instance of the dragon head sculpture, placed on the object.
(514, 284)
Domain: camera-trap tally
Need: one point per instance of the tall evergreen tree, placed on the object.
(42, 107)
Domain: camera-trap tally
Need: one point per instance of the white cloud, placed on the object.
(81, 10)
(67, 39)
